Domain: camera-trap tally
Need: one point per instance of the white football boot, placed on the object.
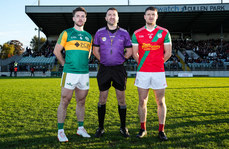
(82, 132)
(61, 136)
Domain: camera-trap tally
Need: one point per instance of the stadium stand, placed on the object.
(198, 53)
(204, 54)
(39, 60)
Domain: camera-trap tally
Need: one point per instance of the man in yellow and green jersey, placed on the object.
(77, 44)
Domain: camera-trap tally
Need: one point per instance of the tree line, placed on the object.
(15, 47)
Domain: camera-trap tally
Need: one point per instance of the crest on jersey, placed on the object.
(104, 38)
(159, 35)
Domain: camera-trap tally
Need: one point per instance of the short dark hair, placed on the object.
(151, 8)
(112, 8)
(79, 9)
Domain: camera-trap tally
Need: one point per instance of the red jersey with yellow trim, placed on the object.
(151, 48)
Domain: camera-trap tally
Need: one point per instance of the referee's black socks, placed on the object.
(101, 115)
(122, 114)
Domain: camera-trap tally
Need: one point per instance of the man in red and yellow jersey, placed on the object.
(77, 44)
(151, 48)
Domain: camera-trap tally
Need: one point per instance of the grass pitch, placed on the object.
(197, 115)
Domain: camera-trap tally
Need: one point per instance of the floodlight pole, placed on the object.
(38, 38)
(221, 37)
(38, 31)
(38, 43)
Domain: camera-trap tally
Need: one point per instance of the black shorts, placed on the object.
(115, 74)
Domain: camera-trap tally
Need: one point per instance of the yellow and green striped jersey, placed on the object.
(77, 45)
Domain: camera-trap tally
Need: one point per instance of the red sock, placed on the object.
(143, 125)
(161, 127)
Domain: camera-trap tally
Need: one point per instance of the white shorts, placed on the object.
(72, 81)
(154, 80)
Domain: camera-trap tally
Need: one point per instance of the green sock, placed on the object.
(60, 126)
(80, 124)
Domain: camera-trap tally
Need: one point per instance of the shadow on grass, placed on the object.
(196, 123)
(113, 139)
(42, 139)
(200, 138)
(199, 115)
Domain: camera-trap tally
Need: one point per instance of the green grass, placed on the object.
(197, 116)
